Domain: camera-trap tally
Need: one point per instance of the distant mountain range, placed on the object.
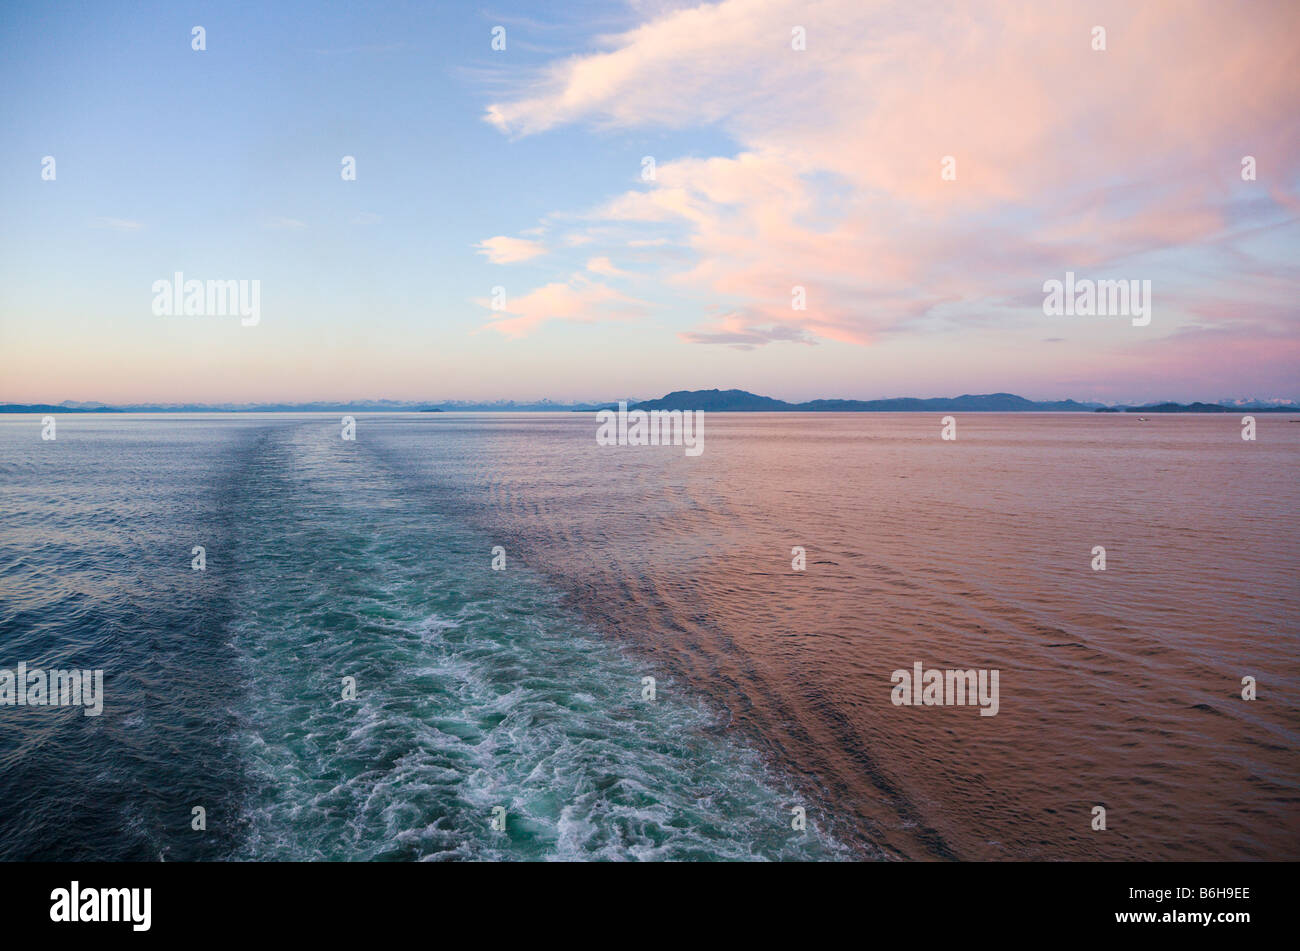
(739, 401)
(717, 401)
(1202, 408)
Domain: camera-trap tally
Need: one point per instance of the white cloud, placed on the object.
(117, 224)
(506, 250)
(605, 267)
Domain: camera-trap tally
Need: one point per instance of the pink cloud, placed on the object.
(605, 267)
(1066, 157)
(579, 299)
(506, 250)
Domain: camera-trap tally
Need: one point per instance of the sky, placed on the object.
(633, 198)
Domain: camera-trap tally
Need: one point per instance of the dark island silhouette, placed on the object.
(740, 401)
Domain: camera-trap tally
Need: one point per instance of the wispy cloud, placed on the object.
(579, 299)
(605, 267)
(116, 224)
(506, 250)
(283, 224)
(734, 332)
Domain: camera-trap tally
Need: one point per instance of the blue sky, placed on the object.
(224, 164)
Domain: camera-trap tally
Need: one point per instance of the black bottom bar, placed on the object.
(915, 902)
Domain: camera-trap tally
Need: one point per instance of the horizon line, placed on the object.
(327, 405)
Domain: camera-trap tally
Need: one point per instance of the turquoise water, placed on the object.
(475, 688)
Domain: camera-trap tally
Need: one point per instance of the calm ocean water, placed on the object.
(523, 688)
